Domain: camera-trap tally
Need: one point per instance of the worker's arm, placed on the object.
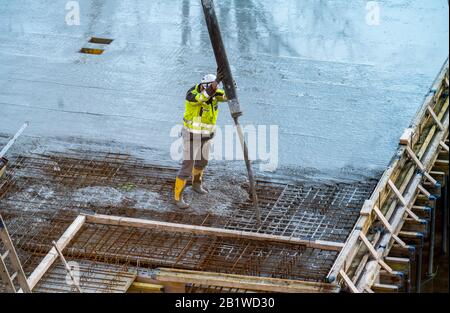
(220, 96)
(194, 96)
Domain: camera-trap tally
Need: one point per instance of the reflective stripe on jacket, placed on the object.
(200, 116)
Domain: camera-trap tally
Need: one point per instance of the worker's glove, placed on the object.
(205, 95)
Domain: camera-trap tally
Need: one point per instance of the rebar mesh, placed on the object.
(37, 202)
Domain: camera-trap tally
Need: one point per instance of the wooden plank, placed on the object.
(145, 287)
(346, 255)
(367, 207)
(441, 162)
(435, 118)
(397, 192)
(242, 282)
(444, 146)
(388, 226)
(425, 192)
(387, 278)
(399, 251)
(374, 253)
(413, 215)
(412, 225)
(171, 287)
(384, 288)
(398, 264)
(3, 163)
(349, 282)
(437, 173)
(51, 257)
(5, 278)
(210, 231)
(432, 132)
(360, 266)
(406, 137)
(419, 164)
(13, 258)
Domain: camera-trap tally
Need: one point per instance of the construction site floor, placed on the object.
(43, 193)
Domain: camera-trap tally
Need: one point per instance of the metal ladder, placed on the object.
(15, 263)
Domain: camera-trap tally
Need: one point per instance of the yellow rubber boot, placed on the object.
(197, 181)
(178, 193)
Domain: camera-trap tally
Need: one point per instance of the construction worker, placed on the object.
(200, 119)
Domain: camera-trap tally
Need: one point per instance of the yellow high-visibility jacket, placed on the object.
(201, 113)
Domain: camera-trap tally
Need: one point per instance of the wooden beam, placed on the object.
(397, 192)
(388, 226)
(384, 288)
(425, 192)
(374, 253)
(398, 264)
(242, 282)
(419, 164)
(145, 287)
(349, 282)
(14, 260)
(387, 278)
(435, 118)
(444, 146)
(51, 257)
(367, 208)
(441, 162)
(346, 255)
(210, 231)
(413, 215)
(406, 137)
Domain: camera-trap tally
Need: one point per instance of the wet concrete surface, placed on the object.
(341, 91)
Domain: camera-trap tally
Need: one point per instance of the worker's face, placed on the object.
(214, 86)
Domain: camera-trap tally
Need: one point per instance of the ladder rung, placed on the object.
(5, 255)
(13, 276)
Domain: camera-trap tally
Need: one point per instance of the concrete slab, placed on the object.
(340, 89)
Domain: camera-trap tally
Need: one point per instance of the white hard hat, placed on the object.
(208, 79)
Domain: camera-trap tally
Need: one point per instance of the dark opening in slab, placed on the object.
(91, 51)
(103, 41)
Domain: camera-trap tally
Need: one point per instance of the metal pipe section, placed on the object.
(230, 90)
(444, 216)
(419, 260)
(432, 238)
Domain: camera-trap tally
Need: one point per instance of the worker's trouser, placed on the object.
(195, 153)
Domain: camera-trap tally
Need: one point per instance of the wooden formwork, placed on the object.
(412, 171)
(177, 277)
